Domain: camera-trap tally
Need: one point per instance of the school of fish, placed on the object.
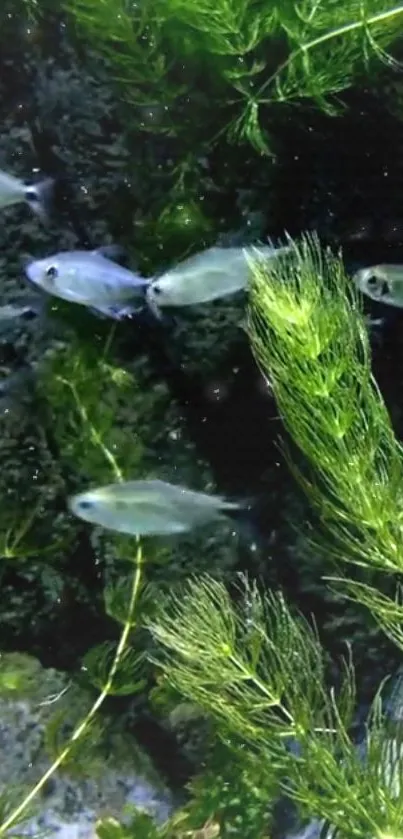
(96, 280)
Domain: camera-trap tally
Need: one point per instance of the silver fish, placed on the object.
(383, 283)
(90, 279)
(149, 508)
(10, 312)
(206, 276)
(15, 191)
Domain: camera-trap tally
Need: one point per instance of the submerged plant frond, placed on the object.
(267, 51)
(331, 42)
(309, 337)
(387, 612)
(86, 395)
(84, 756)
(127, 679)
(249, 675)
(253, 666)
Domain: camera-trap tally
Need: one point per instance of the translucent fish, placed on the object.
(383, 283)
(206, 276)
(149, 508)
(15, 191)
(10, 312)
(91, 279)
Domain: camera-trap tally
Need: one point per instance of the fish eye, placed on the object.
(378, 285)
(157, 289)
(28, 314)
(85, 505)
(51, 272)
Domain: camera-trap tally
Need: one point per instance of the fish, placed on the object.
(208, 275)
(149, 507)
(383, 283)
(10, 312)
(15, 191)
(91, 279)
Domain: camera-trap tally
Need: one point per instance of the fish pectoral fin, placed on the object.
(116, 312)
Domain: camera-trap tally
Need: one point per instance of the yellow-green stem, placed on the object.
(83, 725)
(96, 438)
(328, 36)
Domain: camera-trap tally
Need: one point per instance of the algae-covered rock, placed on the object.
(37, 707)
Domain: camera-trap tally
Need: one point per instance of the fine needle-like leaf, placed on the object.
(309, 338)
(355, 793)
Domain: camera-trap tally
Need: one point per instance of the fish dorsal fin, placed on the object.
(117, 253)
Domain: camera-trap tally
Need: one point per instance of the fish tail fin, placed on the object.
(116, 311)
(40, 197)
(244, 515)
(153, 305)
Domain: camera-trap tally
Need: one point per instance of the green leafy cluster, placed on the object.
(250, 54)
(232, 796)
(85, 398)
(310, 339)
(77, 387)
(245, 662)
(261, 675)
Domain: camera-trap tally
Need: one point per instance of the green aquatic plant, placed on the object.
(251, 55)
(259, 672)
(79, 401)
(232, 796)
(85, 395)
(309, 337)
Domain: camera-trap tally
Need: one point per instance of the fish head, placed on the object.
(374, 282)
(87, 506)
(101, 507)
(166, 290)
(64, 275)
(45, 273)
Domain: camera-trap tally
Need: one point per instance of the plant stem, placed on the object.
(96, 437)
(328, 36)
(83, 725)
(135, 590)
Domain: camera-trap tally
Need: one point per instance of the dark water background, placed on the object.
(340, 176)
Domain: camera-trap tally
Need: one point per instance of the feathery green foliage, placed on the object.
(240, 665)
(79, 401)
(309, 337)
(232, 796)
(84, 397)
(249, 53)
(388, 613)
(250, 674)
(235, 792)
